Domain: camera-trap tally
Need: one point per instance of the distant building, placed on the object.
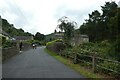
(76, 40)
(53, 36)
(58, 35)
(23, 38)
(79, 39)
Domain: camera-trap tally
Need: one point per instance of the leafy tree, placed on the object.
(21, 30)
(28, 34)
(55, 31)
(114, 51)
(67, 27)
(109, 9)
(102, 26)
(11, 30)
(106, 28)
(118, 23)
(109, 13)
(3, 39)
(92, 26)
(39, 36)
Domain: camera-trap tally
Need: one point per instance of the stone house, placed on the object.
(23, 38)
(53, 36)
(79, 39)
(58, 35)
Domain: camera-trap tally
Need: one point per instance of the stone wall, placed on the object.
(11, 51)
(8, 52)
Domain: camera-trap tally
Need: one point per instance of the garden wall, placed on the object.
(11, 51)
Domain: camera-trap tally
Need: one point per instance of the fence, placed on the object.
(96, 62)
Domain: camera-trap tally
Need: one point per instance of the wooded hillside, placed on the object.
(11, 30)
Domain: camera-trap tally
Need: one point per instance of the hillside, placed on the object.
(12, 31)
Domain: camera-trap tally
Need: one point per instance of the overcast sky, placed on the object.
(42, 15)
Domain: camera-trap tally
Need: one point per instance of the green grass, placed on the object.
(76, 67)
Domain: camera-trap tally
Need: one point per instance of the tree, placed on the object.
(114, 52)
(102, 26)
(92, 26)
(118, 24)
(12, 31)
(39, 36)
(109, 9)
(67, 27)
(55, 31)
(109, 12)
(28, 34)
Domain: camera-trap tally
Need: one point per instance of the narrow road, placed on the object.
(36, 63)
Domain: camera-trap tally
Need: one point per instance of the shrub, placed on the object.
(104, 43)
(109, 65)
(8, 43)
(3, 39)
(55, 46)
(114, 51)
(58, 46)
(52, 42)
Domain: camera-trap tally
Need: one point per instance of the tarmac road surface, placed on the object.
(36, 63)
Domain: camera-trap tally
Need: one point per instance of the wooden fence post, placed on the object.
(60, 52)
(75, 59)
(66, 55)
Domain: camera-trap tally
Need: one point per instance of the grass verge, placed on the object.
(76, 67)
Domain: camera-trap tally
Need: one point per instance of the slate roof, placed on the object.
(23, 37)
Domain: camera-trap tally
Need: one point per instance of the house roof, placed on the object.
(81, 36)
(58, 34)
(84, 36)
(23, 37)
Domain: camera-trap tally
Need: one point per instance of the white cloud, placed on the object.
(42, 15)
